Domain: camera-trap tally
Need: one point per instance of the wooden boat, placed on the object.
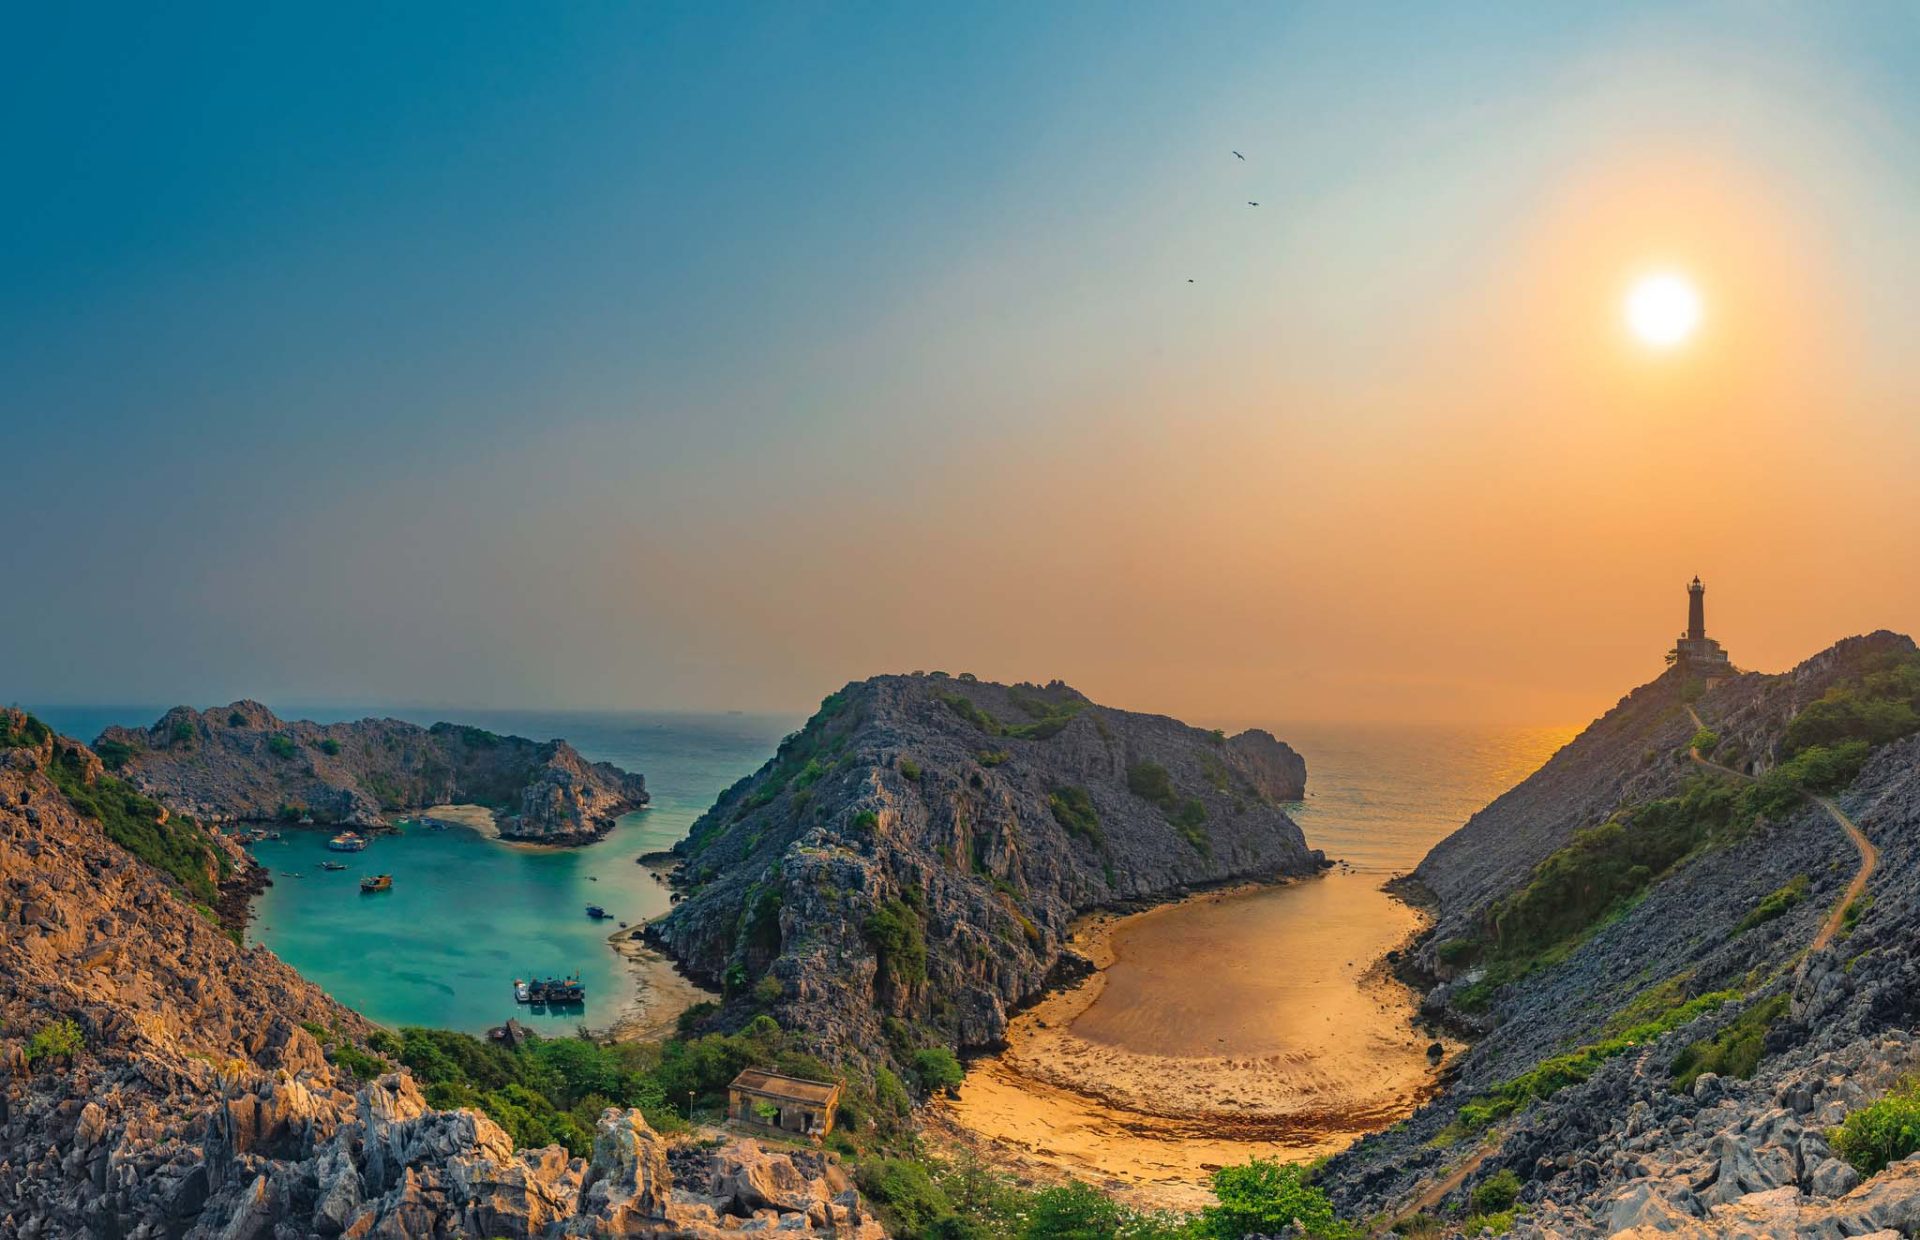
(377, 882)
(347, 841)
(333, 865)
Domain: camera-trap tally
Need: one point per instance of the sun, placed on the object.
(1663, 309)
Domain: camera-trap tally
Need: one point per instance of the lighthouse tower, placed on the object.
(1695, 651)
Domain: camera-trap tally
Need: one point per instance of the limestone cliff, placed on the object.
(243, 762)
(1674, 1064)
(904, 870)
(161, 1081)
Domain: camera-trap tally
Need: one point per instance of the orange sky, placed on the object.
(674, 371)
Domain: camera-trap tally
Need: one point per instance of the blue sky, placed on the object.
(695, 355)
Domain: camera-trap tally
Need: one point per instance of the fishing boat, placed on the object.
(597, 913)
(522, 992)
(377, 882)
(333, 865)
(347, 841)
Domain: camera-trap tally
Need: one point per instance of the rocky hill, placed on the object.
(242, 762)
(1676, 995)
(161, 1081)
(903, 872)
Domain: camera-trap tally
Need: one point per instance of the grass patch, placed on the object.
(1550, 1076)
(1735, 1051)
(175, 845)
(1073, 809)
(1775, 905)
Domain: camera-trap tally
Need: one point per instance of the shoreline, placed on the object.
(1129, 1097)
(661, 990)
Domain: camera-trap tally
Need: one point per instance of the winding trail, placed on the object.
(1869, 855)
(1437, 1191)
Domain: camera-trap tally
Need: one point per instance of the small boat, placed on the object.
(306, 820)
(347, 841)
(597, 913)
(377, 882)
(291, 874)
(269, 835)
(522, 992)
(333, 865)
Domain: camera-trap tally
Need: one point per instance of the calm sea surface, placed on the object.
(467, 915)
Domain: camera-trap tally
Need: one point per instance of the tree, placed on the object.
(1265, 1198)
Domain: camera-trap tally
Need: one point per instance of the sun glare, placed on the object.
(1663, 310)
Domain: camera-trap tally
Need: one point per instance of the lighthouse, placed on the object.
(1695, 651)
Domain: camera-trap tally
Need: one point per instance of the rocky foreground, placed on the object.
(161, 1081)
(242, 762)
(904, 871)
(1585, 1085)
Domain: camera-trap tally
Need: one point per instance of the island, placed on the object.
(243, 763)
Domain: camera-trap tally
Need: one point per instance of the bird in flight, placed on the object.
(1253, 204)
(1242, 158)
(1189, 279)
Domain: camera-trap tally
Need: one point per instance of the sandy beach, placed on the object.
(1252, 1022)
(661, 992)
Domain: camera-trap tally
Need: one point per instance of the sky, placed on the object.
(711, 356)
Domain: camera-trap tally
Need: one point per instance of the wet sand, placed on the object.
(1255, 1022)
(661, 992)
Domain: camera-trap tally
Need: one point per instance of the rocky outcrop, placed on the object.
(161, 1081)
(242, 762)
(904, 871)
(1612, 1147)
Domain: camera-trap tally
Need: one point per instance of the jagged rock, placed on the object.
(200, 1107)
(973, 821)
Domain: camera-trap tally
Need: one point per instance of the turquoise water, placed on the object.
(467, 914)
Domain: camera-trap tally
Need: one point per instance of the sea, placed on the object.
(467, 914)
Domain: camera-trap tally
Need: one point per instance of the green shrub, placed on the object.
(182, 733)
(330, 747)
(936, 1068)
(236, 720)
(1150, 782)
(1599, 871)
(280, 745)
(1881, 704)
(1073, 809)
(173, 844)
(113, 754)
(1550, 1076)
(1457, 951)
(1882, 1132)
(1735, 1051)
(1496, 1193)
(57, 1039)
(768, 991)
(363, 1066)
(907, 1195)
(992, 757)
(899, 941)
(866, 822)
(1855, 910)
(963, 706)
(1705, 741)
(1821, 768)
(1774, 905)
(909, 769)
(1265, 1198)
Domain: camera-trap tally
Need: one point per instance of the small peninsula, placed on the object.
(244, 763)
(905, 872)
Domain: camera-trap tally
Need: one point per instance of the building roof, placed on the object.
(791, 1088)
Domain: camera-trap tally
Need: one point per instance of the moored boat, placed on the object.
(347, 841)
(377, 882)
(333, 865)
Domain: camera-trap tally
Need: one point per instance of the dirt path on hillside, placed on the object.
(1869, 855)
(1437, 1192)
